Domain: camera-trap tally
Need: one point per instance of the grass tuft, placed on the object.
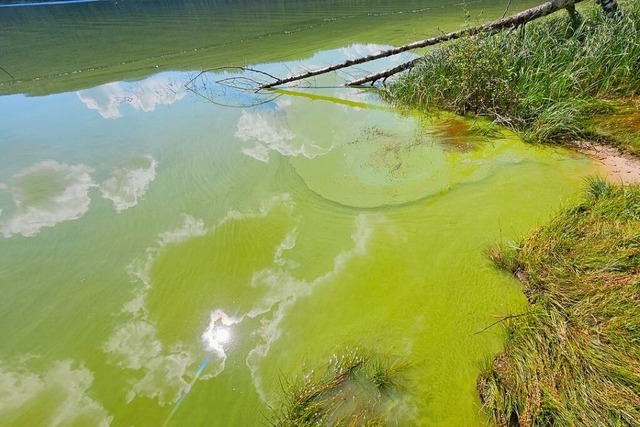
(354, 391)
(574, 359)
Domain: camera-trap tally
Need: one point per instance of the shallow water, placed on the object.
(168, 255)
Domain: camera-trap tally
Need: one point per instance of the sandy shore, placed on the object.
(617, 166)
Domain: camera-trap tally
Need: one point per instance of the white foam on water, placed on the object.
(69, 384)
(127, 186)
(69, 203)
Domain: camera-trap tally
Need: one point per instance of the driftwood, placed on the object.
(491, 27)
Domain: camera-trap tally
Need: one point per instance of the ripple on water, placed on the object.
(385, 159)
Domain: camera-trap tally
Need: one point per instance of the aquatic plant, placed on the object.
(545, 80)
(573, 359)
(354, 390)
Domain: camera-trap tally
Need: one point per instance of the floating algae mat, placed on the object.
(167, 259)
(388, 160)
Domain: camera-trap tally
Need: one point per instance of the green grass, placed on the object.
(573, 359)
(546, 80)
(353, 391)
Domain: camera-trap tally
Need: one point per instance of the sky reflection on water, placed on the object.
(176, 246)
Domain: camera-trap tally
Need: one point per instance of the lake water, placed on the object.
(170, 252)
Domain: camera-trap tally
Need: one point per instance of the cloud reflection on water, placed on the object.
(285, 291)
(127, 185)
(269, 132)
(60, 394)
(164, 371)
(145, 95)
(49, 193)
(46, 194)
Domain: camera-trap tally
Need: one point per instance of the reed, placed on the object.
(573, 359)
(545, 80)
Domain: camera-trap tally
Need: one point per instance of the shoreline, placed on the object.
(618, 167)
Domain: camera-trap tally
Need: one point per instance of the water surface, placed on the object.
(169, 253)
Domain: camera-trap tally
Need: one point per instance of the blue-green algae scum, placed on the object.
(169, 253)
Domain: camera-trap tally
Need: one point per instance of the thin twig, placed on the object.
(231, 67)
(502, 319)
(506, 9)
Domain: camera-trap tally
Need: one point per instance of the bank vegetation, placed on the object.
(546, 80)
(573, 359)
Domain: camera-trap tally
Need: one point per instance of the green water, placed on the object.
(310, 219)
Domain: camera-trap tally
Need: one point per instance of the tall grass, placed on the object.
(573, 359)
(544, 80)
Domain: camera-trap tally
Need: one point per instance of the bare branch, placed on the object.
(230, 67)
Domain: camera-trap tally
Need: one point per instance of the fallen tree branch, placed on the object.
(492, 27)
(499, 25)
